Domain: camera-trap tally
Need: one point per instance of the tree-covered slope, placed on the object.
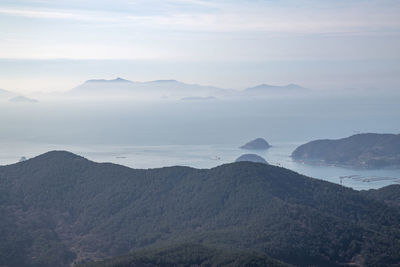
(360, 151)
(188, 254)
(389, 194)
(60, 208)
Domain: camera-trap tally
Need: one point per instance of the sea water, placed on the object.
(205, 156)
(199, 134)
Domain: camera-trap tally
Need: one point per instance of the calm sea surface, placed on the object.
(200, 134)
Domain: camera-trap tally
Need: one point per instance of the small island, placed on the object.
(256, 144)
(23, 99)
(361, 151)
(252, 158)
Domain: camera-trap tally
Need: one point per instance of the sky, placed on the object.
(55, 45)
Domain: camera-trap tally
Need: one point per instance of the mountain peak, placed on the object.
(116, 80)
(252, 158)
(119, 79)
(57, 156)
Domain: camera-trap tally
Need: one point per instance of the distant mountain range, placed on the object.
(165, 89)
(59, 208)
(176, 89)
(116, 80)
(367, 150)
(159, 88)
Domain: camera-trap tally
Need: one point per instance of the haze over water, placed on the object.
(344, 52)
(198, 133)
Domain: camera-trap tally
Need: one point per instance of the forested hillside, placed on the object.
(187, 254)
(367, 150)
(60, 208)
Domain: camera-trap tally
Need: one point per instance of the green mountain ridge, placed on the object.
(61, 208)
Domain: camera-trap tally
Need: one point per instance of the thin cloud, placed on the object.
(54, 14)
(275, 25)
(258, 18)
(176, 29)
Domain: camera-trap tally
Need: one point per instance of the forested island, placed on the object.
(256, 144)
(369, 150)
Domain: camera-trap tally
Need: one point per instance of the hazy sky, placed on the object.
(54, 45)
